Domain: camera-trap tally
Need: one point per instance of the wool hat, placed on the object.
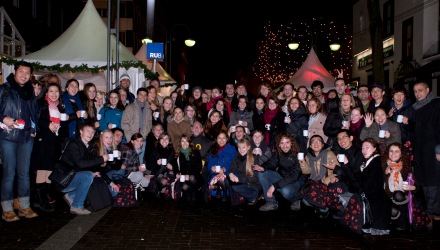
(437, 149)
(124, 76)
(197, 87)
(377, 85)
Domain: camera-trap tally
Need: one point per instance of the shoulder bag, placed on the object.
(62, 174)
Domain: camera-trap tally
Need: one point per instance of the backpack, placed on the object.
(127, 192)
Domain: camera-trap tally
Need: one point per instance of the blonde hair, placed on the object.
(249, 157)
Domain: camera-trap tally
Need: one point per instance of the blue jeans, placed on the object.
(243, 189)
(16, 159)
(268, 177)
(79, 187)
(141, 155)
(110, 175)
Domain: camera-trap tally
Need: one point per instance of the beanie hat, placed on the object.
(197, 87)
(124, 76)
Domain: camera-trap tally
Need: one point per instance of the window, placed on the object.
(388, 19)
(407, 40)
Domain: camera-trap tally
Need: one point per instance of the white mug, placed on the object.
(113, 125)
(286, 120)
(267, 126)
(116, 153)
(98, 117)
(344, 123)
(63, 117)
(240, 123)
(232, 128)
(341, 157)
(381, 133)
(217, 168)
(182, 178)
(256, 151)
(83, 112)
(164, 161)
(305, 133)
(156, 114)
(143, 167)
(186, 86)
(111, 157)
(300, 156)
(400, 118)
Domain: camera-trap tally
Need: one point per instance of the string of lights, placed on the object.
(276, 63)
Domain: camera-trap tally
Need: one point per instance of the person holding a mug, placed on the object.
(381, 129)
(111, 114)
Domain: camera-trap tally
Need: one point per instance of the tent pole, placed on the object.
(117, 38)
(109, 80)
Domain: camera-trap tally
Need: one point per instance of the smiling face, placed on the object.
(157, 130)
(294, 105)
(53, 93)
(380, 117)
(99, 99)
(167, 104)
(259, 104)
(344, 140)
(356, 115)
(243, 148)
(87, 133)
(184, 143)
(316, 144)
(215, 93)
(394, 153)
(377, 94)
(137, 144)
(91, 93)
(178, 115)
(285, 144)
(220, 105)
(222, 139)
(22, 75)
(340, 87)
(190, 112)
(312, 106)
(164, 141)
(107, 139)
(197, 93)
(399, 98)
(264, 91)
(113, 99)
(272, 104)
(346, 103)
(367, 149)
(239, 133)
(123, 95)
(117, 137)
(73, 87)
(302, 94)
(242, 103)
(214, 117)
(420, 91)
(257, 138)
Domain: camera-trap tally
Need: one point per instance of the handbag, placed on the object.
(62, 174)
(127, 192)
(99, 195)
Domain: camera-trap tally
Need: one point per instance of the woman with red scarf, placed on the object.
(47, 144)
(274, 122)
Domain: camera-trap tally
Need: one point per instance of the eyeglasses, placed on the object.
(342, 137)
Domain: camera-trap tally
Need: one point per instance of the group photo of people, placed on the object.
(368, 157)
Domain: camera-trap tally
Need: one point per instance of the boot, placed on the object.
(42, 192)
(16, 204)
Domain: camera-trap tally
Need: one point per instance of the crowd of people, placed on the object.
(308, 147)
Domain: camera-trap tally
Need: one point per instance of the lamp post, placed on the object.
(188, 42)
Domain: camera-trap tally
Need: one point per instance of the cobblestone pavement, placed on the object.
(167, 225)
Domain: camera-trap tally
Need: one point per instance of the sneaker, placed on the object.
(296, 206)
(68, 200)
(79, 211)
(27, 212)
(9, 216)
(268, 206)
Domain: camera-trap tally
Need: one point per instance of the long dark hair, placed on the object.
(192, 148)
(214, 148)
(134, 137)
(119, 105)
(294, 149)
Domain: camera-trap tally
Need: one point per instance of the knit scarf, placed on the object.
(428, 99)
(54, 113)
(185, 152)
(220, 148)
(395, 179)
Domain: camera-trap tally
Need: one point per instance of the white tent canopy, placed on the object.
(311, 70)
(85, 42)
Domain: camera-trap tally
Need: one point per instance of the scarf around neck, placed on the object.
(269, 114)
(54, 113)
(185, 152)
(428, 99)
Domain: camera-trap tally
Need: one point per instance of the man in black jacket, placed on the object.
(281, 173)
(19, 114)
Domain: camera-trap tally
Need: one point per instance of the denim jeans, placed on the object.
(110, 175)
(79, 187)
(16, 160)
(243, 189)
(141, 155)
(268, 177)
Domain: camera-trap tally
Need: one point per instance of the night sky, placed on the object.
(228, 33)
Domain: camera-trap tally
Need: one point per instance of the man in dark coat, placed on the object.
(427, 168)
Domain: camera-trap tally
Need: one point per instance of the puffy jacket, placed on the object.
(287, 166)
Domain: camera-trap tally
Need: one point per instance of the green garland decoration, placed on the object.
(84, 67)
